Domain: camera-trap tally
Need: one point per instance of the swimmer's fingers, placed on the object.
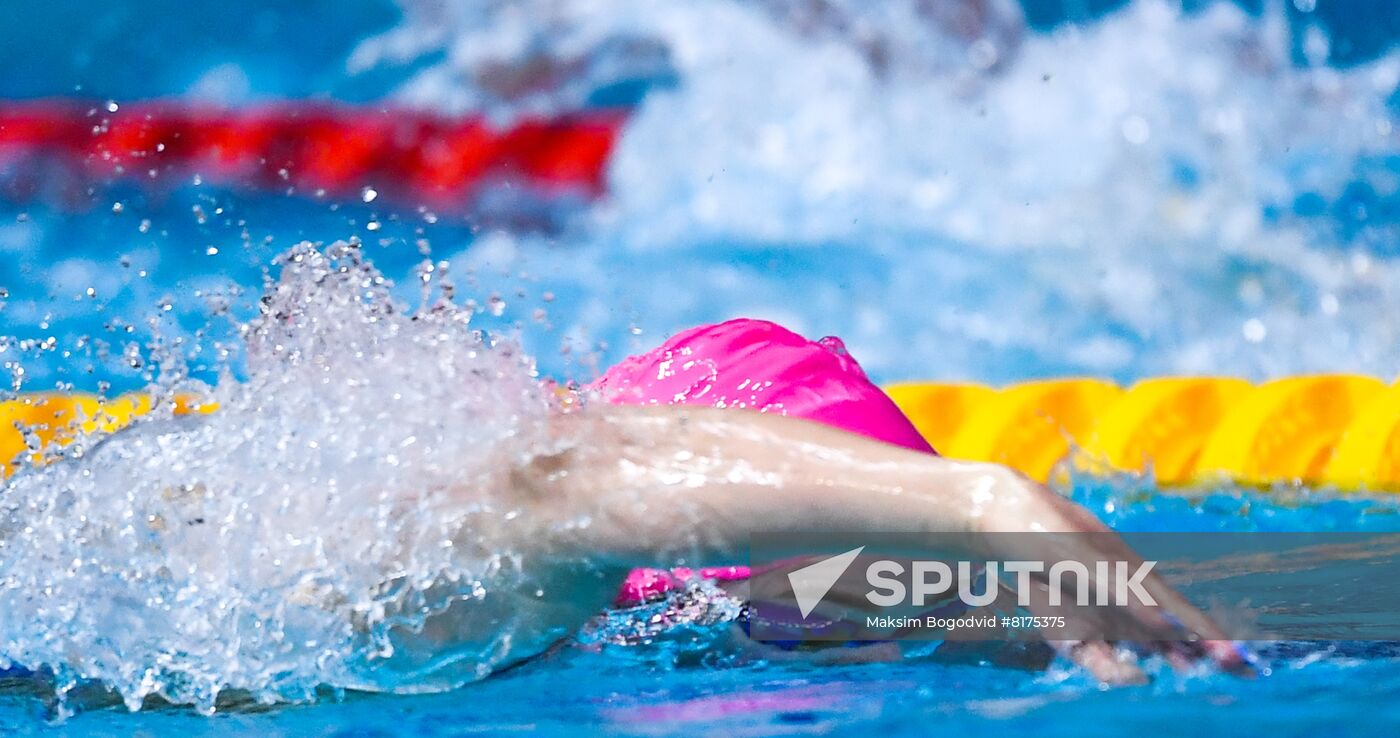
(1232, 657)
(1119, 667)
(1172, 620)
(1106, 663)
(1196, 636)
(1172, 627)
(1180, 632)
(1098, 657)
(1115, 666)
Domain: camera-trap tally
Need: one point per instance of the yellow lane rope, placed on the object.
(1333, 429)
(1329, 429)
(32, 423)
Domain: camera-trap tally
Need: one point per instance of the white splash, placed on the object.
(303, 534)
(1117, 197)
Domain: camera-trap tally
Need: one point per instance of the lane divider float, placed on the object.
(1329, 430)
(311, 147)
(1332, 430)
(36, 424)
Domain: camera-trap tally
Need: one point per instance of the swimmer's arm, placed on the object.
(648, 474)
(659, 482)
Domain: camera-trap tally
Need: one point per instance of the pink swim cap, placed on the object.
(758, 365)
(755, 365)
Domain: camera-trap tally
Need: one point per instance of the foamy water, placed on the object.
(300, 536)
(957, 197)
(1151, 192)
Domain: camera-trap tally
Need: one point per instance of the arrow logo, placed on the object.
(811, 583)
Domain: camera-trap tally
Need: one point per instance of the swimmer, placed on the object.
(680, 454)
(747, 427)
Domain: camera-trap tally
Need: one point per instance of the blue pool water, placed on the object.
(1107, 188)
(1347, 694)
(689, 683)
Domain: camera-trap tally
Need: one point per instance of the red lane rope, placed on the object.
(333, 148)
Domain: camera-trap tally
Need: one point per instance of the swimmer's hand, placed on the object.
(1174, 628)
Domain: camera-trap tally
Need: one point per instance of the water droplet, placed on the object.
(1254, 330)
(368, 194)
(1135, 130)
(1330, 304)
(982, 54)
